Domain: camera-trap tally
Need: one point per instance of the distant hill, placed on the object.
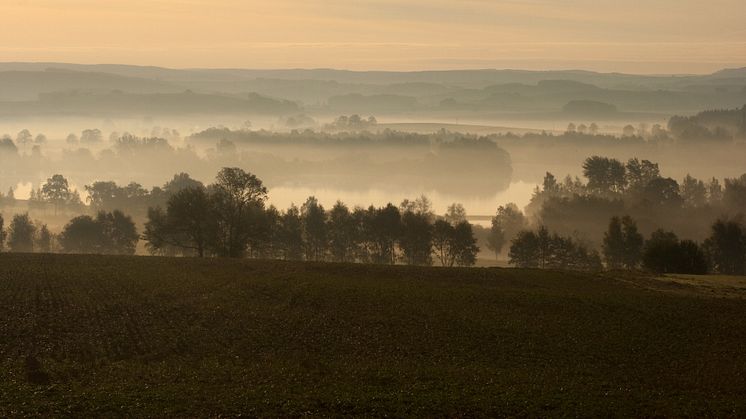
(390, 92)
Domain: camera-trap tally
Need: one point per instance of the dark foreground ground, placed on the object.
(107, 336)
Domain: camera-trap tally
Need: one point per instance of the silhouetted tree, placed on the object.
(508, 221)
(21, 233)
(416, 240)
(727, 247)
(56, 191)
(291, 234)
(524, 250)
(464, 244)
(664, 253)
(236, 198)
(383, 230)
(622, 244)
(43, 240)
(3, 234)
(341, 230)
(82, 235)
(109, 233)
(315, 234)
(639, 173)
(662, 192)
(186, 224)
(455, 214)
(605, 176)
(693, 192)
(180, 182)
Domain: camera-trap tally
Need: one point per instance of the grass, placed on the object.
(134, 336)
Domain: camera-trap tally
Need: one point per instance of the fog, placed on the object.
(481, 139)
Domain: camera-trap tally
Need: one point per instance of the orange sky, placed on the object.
(654, 36)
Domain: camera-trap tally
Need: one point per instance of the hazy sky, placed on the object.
(653, 36)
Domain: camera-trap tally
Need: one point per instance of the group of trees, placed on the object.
(24, 235)
(540, 249)
(636, 188)
(107, 233)
(624, 247)
(229, 218)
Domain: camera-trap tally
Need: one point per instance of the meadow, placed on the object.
(148, 336)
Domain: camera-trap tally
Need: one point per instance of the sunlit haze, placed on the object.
(663, 36)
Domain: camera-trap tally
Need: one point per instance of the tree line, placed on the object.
(625, 248)
(230, 218)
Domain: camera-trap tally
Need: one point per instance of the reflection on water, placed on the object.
(517, 192)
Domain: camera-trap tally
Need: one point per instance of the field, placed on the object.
(131, 336)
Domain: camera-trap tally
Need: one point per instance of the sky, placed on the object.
(632, 36)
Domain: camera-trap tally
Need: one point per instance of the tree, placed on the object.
(622, 245)
(44, 240)
(633, 243)
(693, 192)
(40, 139)
(291, 234)
(628, 131)
(21, 233)
(455, 214)
(383, 228)
(454, 244)
(7, 146)
(662, 192)
(727, 247)
(3, 234)
(180, 182)
(664, 253)
(605, 176)
(524, 250)
(416, 240)
(237, 196)
(91, 136)
(464, 244)
(82, 235)
(639, 173)
(56, 191)
(442, 236)
(24, 137)
(109, 233)
(341, 233)
(72, 139)
(315, 234)
(186, 224)
(508, 221)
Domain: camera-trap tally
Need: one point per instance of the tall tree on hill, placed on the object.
(236, 198)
